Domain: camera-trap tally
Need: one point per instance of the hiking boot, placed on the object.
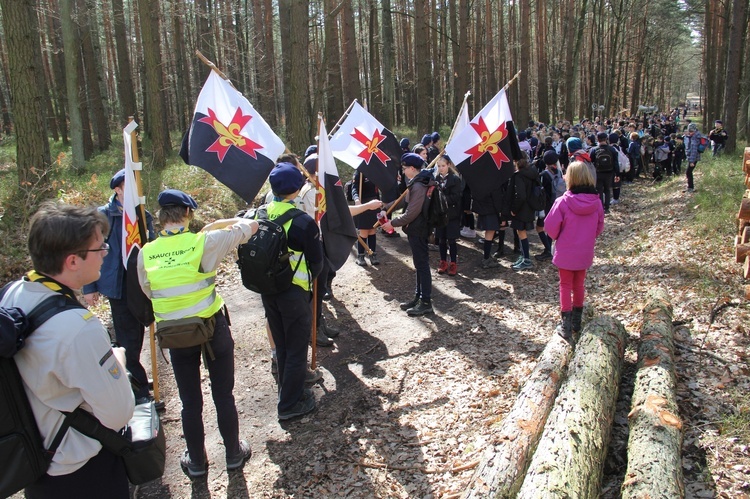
(238, 462)
(452, 268)
(420, 308)
(525, 264)
(489, 263)
(304, 406)
(374, 259)
(409, 304)
(329, 331)
(443, 267)
(313, 375)
(191, 469)
(468, 233)
(614, 202)
(544, 255)
(361, 260)
(322, 339)
(564, 329)
(519, 261)
(575, 319)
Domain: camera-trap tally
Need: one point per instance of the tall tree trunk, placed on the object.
(333, 89)
(524, 81)
(541, 64)
(72, 64)
(58, 68)
(204, 29)
(575, 52)
(350, 69)
(93, 71)
(21, 29)
(264, 66)
(492, 86)
(125, 88)
(388, 63)
(376, 48)
(296, 71)
(157, 131)
(422, 62)
(737, 34)
(48, 83)
(182, 77)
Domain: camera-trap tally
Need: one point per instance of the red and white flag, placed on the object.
(484, 151)
(364, 143)
(131, 233)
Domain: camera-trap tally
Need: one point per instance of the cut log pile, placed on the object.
(742, 239)
(553, 442)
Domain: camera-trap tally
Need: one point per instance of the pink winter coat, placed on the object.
(574, 222)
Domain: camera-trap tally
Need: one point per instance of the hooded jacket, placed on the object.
(523, 180)
(413, 220)
(574, 222)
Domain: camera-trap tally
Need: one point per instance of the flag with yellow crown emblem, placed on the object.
(230, 140)
(484, 150)
(132, 236)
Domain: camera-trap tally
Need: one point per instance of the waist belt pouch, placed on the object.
(141, 444)
(187, 332)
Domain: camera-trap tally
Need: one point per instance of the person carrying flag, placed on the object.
(112, 283)
(415, 226)
(178, 272)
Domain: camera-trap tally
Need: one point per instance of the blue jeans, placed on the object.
(421, 257)
(186, 364)
(129, 334)
(289, 316)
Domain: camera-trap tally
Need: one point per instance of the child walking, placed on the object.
(450, 183)
(574, 222)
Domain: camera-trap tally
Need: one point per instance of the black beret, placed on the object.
(412, 159)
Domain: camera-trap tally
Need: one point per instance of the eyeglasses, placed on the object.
(104, 247)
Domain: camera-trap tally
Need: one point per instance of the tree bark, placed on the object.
(157, 131)
(388, 63)
(70, 47)
(524, 81)
(542, 63)
(21, 28)
(655, 441)
(422, 65)
(737, 33)
(569, 459)
(92, 60)
(298, 115)
(350, 68)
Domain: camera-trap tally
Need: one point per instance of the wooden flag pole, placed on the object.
(142, 217)
(210, 64)
(314, 333)
(512, 80)
(341, 120)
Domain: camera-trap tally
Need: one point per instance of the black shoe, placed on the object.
(238, 462)
(322, 339)
(544, 255)
(374, 259)
(420, 308)
(327, 295)
(328, 330)
(409, 304)
(361, 261)
(304, 406)
(191, 469)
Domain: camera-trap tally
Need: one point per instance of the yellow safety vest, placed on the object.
(302, 275)
(178, 288)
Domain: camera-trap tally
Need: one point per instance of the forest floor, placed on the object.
(407, 406)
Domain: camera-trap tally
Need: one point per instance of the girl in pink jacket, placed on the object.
(574, 222)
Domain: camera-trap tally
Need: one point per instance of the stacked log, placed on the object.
(569, 458)
(655, 440)
(742, 239)
(504, 465)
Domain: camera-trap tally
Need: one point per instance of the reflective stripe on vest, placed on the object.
(302, 275)
(178, 288)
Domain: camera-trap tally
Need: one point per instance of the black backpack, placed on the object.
(264, 259)
(436, 211)
(537, 200)
(22, 451)
(604, 162)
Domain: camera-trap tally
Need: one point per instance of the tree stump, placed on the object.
(503, 465)
(746, 161)
(655, 441)
(744, 213)
(569, 459)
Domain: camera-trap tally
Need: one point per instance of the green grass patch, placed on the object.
(737, 424)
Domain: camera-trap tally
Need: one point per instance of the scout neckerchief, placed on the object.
(34, 276)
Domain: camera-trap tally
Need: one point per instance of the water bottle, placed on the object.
(383, 219)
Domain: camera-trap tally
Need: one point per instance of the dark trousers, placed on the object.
(689, 175)
(186, 364)
(129, 334)
(677, 165)
(289, 316)
(102, 476)
(604, 187)
(421, 258)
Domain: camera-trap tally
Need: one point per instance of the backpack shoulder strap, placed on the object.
(288, 215)
(48, 308)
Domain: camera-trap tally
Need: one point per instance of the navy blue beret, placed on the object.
(550, 157)
(426, 139)
(404, 143)
(411, 159)
(311, 163)
(176, 197)
(311, 150)
(117, 179)
(285, 179)
(435, 136)
(602, 136)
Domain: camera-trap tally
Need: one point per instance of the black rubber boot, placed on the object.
(576, 319)
(565, 329)
(409, 304)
